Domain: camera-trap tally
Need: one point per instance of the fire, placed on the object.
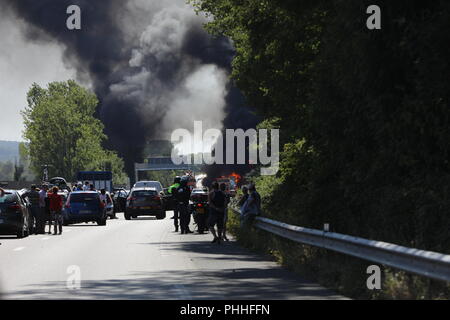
(237, 177)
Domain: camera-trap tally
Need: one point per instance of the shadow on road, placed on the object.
(248, 284)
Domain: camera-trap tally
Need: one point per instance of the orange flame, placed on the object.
(237, 177)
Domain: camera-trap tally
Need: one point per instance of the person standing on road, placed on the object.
(216, 204)
(103, 197)
(223, 188)
(182, 196)
(56, 205)
(171, 190)
(86, 186)
(33, 196)
(40, 223)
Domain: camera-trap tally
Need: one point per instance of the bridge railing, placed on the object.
(425, 263)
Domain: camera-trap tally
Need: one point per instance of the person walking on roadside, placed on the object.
(216, 204)
(42, 217)
(56, 205)
(223, 188)
(33, 196)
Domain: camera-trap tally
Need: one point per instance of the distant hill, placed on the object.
(9, 151)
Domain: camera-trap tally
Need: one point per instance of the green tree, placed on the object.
(63, 133)
(364, 114)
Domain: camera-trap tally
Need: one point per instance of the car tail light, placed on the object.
(156, 198)
(14, 207)
(199, 205)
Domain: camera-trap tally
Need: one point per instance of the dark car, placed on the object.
(14, 215)
(144, 202)
(120, 200)
(84, 206)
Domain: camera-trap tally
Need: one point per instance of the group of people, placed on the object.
(83, 187)
(249, 204)
(218, 200)
(45, 207)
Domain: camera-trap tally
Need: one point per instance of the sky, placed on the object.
(169, 73)
(21, 64)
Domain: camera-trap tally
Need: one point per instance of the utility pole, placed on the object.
(45, 173)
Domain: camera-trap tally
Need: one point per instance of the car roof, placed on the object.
(144, 189)
(10, 191)
(88, 191)
(140, 182)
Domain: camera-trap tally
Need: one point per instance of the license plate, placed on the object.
(145, 208)
(85, 211)
(201, 210)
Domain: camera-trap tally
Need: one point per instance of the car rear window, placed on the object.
(148, 184)
(84, 197)
(144, 193)
(8, 198)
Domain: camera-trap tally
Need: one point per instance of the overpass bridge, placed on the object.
(162, 164)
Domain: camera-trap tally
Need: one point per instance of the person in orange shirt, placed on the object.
(56, 205)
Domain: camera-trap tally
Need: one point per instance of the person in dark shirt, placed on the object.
(182, 195)
(33, 196)
(223, 188)
(216, 204)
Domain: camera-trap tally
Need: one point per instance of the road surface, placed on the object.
(142, 259)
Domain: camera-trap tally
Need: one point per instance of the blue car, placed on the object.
(84, 206)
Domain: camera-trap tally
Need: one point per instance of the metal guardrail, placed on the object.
(425, 263)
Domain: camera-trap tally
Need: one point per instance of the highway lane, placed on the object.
(142, 259)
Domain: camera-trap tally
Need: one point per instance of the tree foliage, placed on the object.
(63, 133)
(364, 114)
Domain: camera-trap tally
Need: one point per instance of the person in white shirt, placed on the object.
(86, 186)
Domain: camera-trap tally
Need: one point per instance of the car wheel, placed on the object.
(127, 217)
(161, 216)
(20, 233)
(102, 222)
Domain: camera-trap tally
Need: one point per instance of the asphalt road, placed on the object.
(141, 259)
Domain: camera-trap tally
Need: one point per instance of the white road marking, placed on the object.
(19, 249)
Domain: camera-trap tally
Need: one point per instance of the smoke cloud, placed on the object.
(151, 63)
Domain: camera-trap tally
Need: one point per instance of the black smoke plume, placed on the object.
(143, 60)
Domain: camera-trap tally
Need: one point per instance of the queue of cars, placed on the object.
(147, 198)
